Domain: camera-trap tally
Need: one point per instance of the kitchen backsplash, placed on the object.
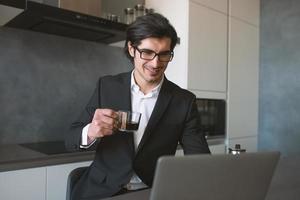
(46, 80)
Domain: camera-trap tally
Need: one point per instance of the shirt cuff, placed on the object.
(85, 144)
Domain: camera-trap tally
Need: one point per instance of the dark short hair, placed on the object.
(150, 25)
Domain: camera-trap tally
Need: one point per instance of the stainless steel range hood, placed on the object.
(43, 18)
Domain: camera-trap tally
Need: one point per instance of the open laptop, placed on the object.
(210, 177)
(214, 177)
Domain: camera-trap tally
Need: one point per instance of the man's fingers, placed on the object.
(101, 124)
(105, 122)
(97, 130)
(105, 113)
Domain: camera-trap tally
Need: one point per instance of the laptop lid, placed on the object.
(214, 177)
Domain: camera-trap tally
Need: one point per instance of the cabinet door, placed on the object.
(57, 177)
(177, 13)
(207, 66)
(27, 184)
(247, 10)
(242, 110)
(220, 5)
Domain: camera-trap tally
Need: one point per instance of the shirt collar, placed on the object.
(135, 88)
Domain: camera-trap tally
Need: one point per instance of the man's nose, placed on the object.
(155, 62)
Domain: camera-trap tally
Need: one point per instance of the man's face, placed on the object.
(149, 72)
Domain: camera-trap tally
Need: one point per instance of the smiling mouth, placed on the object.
(153, 71)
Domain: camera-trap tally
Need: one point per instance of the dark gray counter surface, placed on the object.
(14, 157)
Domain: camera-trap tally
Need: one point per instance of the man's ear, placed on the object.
(130, 49)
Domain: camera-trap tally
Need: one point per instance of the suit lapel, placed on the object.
(162, 102)
(124, 93)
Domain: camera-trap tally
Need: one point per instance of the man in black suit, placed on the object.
(126, 161)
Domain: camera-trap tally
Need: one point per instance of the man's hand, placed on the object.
(105, 122)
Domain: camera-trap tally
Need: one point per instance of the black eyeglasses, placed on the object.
(148, 54)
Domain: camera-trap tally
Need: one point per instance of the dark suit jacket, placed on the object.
(174, 119)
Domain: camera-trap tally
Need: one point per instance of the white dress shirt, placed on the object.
(144, 104)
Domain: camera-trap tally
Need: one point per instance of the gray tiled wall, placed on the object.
(45, 81)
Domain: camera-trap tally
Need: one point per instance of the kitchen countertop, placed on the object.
(19, 156)
(14, 157)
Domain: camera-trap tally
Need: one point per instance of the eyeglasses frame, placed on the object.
(155, 54)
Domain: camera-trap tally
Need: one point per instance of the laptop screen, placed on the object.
(214, 177)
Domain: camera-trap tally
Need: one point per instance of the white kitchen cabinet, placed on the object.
(57, 177)
(200, 61)
(43, 183)
(219, 5)
(207, 66)
(177, 12)
(25, 184)
(246, 10)
(243, 79)
(218, 57)
(242, 111)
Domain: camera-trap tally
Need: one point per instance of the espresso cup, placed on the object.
(128, 120)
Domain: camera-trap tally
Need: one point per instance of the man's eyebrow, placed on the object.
(145, 49)
(167, 51)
